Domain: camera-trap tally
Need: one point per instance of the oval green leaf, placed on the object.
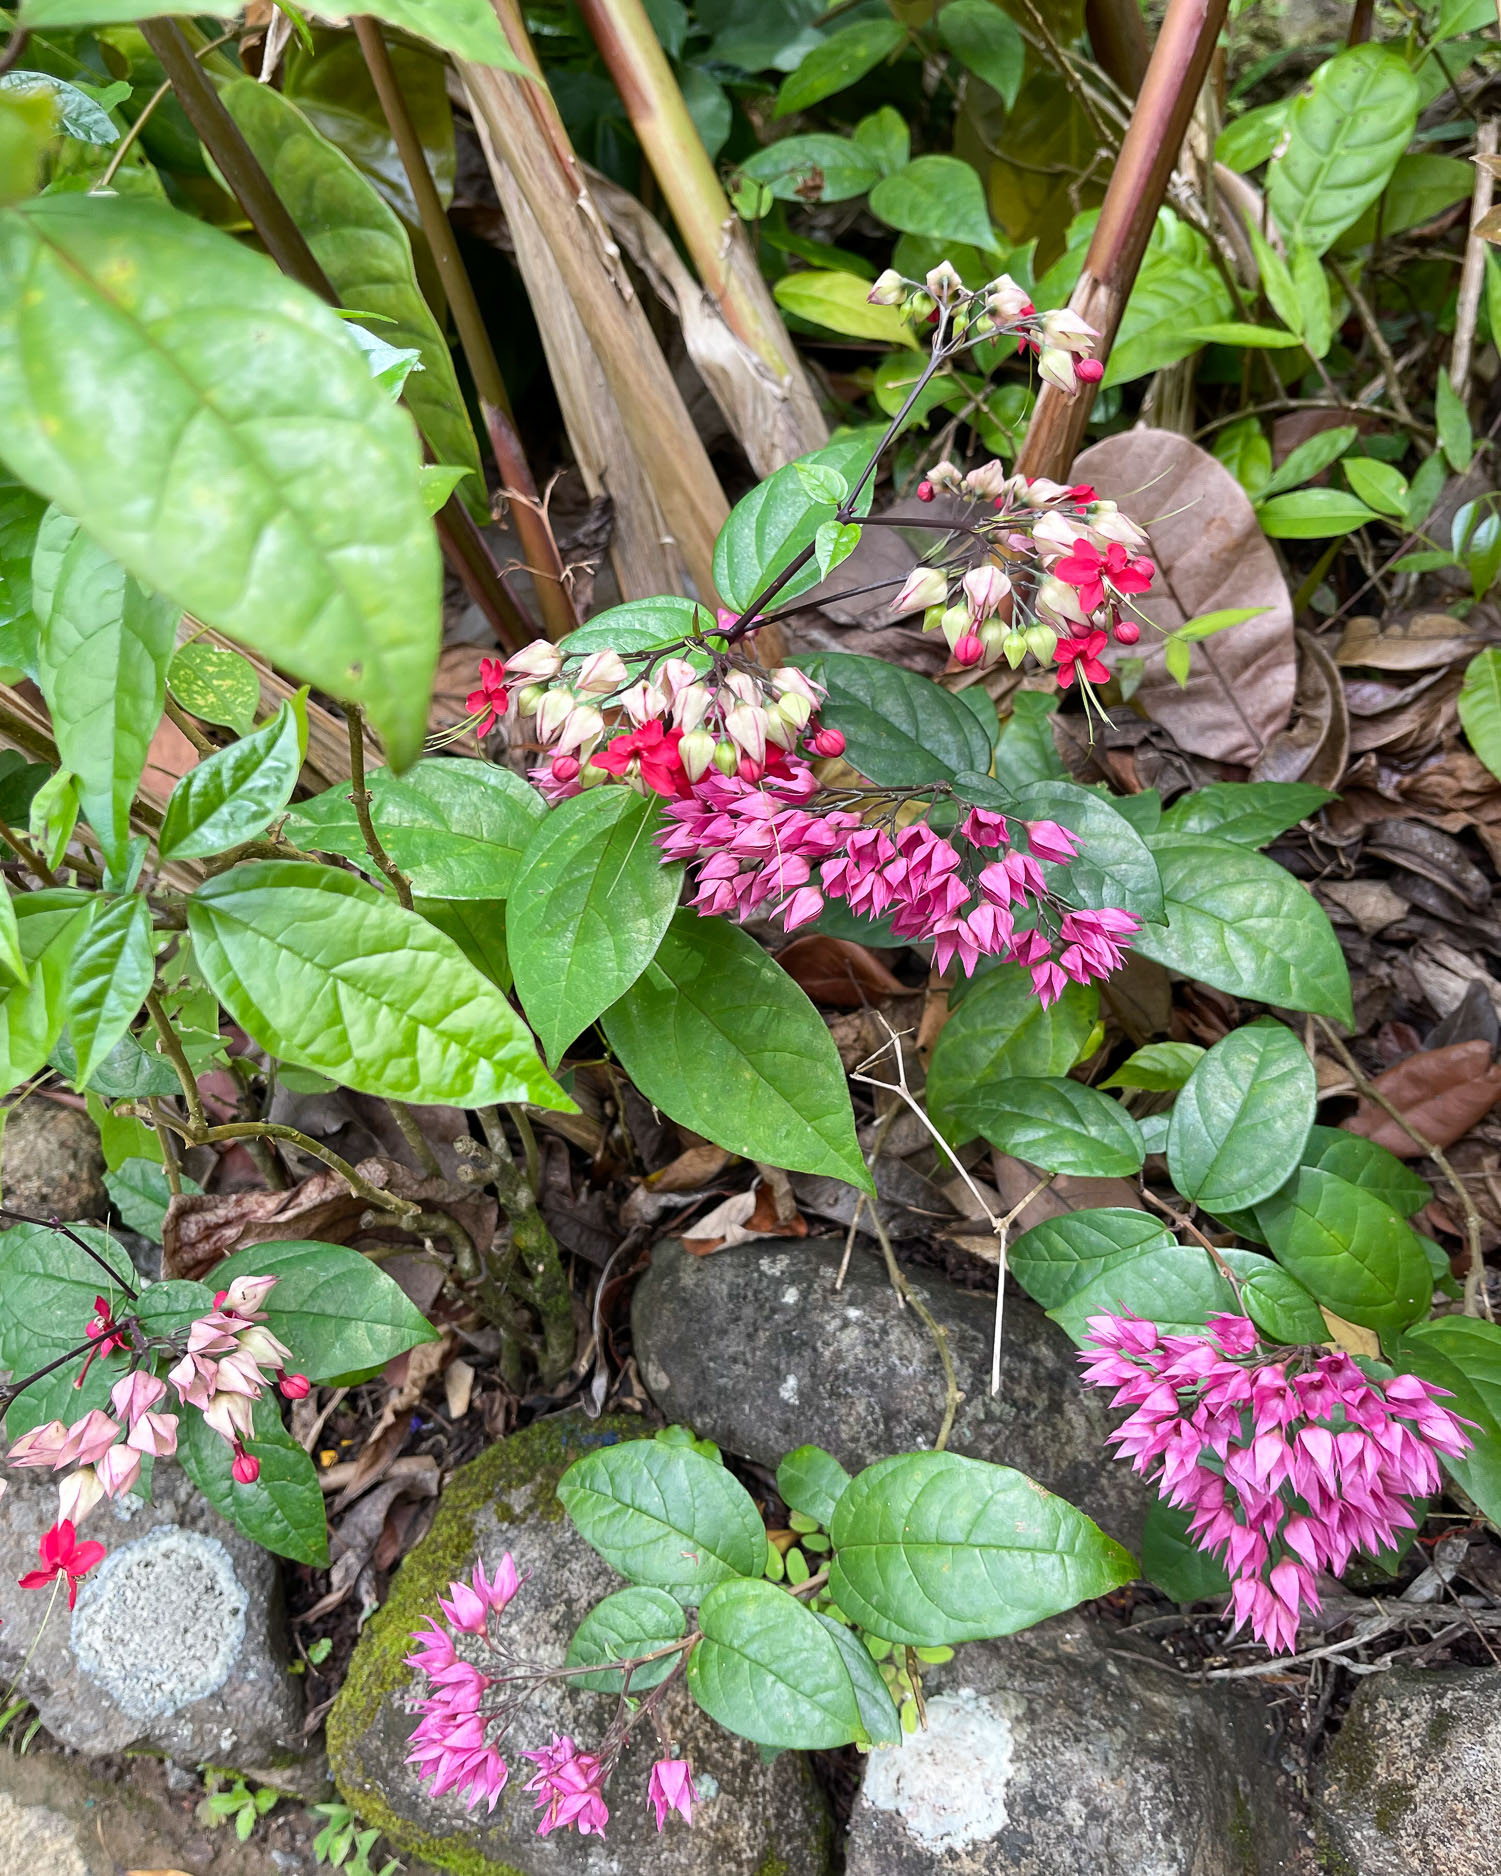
(938, 196)
(1364, 1163)
(1057, 1124)
(1057, 1258)
(900, 729)
(1115, 866)
(632, 1622)
(999, 1030)
(811, 1481)
(1463, 1355)
(215, 684)
(232, 795)
(112, 969)
(1239, 1127)
(768, 528)
(1349, 1249)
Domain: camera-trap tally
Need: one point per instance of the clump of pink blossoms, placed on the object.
(1289, 1460)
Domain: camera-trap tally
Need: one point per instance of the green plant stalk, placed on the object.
(544, 562)
(533, 1247)
(360, 798)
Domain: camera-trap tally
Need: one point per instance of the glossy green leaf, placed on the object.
(139, 1193)
(768, 528)
(665, 1515)
(986, 41)
(843, 58)
(1059, 1257)
(1276, 280)
(932, 1548)
(1350, 1249)
(768, 1669)
(886, 138)
(21, 515)
(1174, 293)
(323, 971)
(1463, 1355)
(1057, 1124)
(1161, 1067)
(811, 1481)
(1239, 1126)
(720, 1038)
(1027, 751)
(1115, 866)
(337, 1311)
(233, 794)
(814, 168)
(1311, 284)
(112, 969)
(78, 115)
(1174, 1285)
(1250, 138)
(1172, 1561)
(1249, 813)
(53, 816)
(1280, 1306)
(1244, 450)
(1238, 333)
(48, 1285)
(937, 196)
(589, 904)
(283, 1510)
(215, 684)
(12, 958)
(456, 828)
(363, 248)
(272, 486)
(102, 659)
(1312, 514)
(639, 625)
(127, 1073)
(1455, 437)
(900, 729)
(632, 1622)
(49, 925)
(391, 366)
(1344, 133)
(478, 928)
(1378, 484)
(1364, 1163)
(838, 300)
(1001, 1030)
(1240, 922)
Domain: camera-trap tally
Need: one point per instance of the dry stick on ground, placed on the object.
(1472, 275)
(1477, 1300)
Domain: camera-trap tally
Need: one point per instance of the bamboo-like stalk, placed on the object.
(1178, 64)
(526, 138)
(712, 232)
(543, 561)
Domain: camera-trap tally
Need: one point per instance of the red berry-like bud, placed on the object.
(564, 768)
(969, 650)
(827, 742)
(750, 770)
(925, 491)
(245, 1470)
(1127, 632)
(1089, 370)
(295, 1386)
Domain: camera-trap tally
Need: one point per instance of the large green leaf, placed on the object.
(1158, 1067)
(640, 625)
(1480, 706)
(48, 926)
(1174, 1285)
(665, 1515)
(1173, 1561)
(768, 528)
(112, 969)
(939, 196)
(1279, 1305)
(1000, 1030)
(214, 427)
(816, 167)
(1463, 1355)
(1343, 135)
(986, 40)
(47, 1291)
(21, 515)
(1114, 867)
(1057, 1124)
(932, 1548)
(1175, 294)
(843, 58)
(1242, 923)
(325, 972)
(811, 1481)
(1350, 1249)
(723, 1041)
(455, 828)
(102, 659)
(361, 245)
(632, 1622)
(900, 729)
(1364, 1163)
(588, 907)
(1249, 813)
(140, 1195)
(1238, 1128)
(283, 1510)
(231, 795)
(1056, 1259)
(769, 1670)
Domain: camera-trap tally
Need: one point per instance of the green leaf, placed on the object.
(121, 1136)
(1027, 751)
(215, 684)
(1174, 1285)
(1173, 294)
(631, 1622)
(21, 515)
(811, 1481)
(168, 1308)
(1161, 1067)
(1310, 458)
(885, 138)
(54, 815)
(1061, 1256)
(1280, 1306)
(1239, 1127)
(272, 487)
(1345, 131)
(478, 928)
(1312, 515)
(839, 301)
(363, 248)
(139, 1192)
(932, 1548)
(234, 794)
(900, 729)
(1378, 484)
(12, 958)
(768, 1669)
(639, 625)
(390, 366)
(1057, 1124)
(1172, 1561)
(1242, 923)
(27, 127)
(986, 41)
(1455, 437)
(590, 902)
(78, 115)
(723, 1041)
(833, 544)
(1312, 286)
(768, 528)
(938, 196)
(815, 168)
(113, 968)
(47, 1291)
(1350, 1249)
(1244, 450)
(337, 1311)
(1237, 332)
(1115, 866)
(1276, 280)
(456, 828)
(1001, 1030)
(1249, 813)
(102, 665)
(1364, 1163)
(49, 925)
(323, 971)
(283, 1510)
(664, 1515)
(1463, 1355)
(1251, 138)
(842, 59)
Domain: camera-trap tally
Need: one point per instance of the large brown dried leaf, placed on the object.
(1442, 1092)
(837, 971)
(1315, 746)
(1210, 554)
(1422, 643)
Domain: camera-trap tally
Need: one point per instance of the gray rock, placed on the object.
(752, 1819)
(35, 1837)
(1054, 1750)
(51, 1164)
(176, 1640)
(755, 1349)
(1413, 1779)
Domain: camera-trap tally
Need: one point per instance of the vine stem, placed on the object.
(176, 1055)
(274, 1130)
(1181, 1222)
(12, 1389)
(29, 854)
(56, 1224)
(360, 796)
(14, 47)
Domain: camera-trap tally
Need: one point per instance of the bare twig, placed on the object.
(1366, 314)
(1472, 275)
(56, 1224)
(361, 798)
(175, 1054)
(951, 1394)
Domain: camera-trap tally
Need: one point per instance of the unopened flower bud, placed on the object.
(1127, 631)
(793, 709)
(675, 675)
(788, 681)
(920, 307)
(1015, 646)
(944, 475)
(780, 731)
(1057, 597)
(827, 741)
(739, 687)
(1089, 371)
(969, 650)
(1107, 524)
(750, 770)
(529, 699)
(925, 491)
(557, 706)
(986, 481)
(923, 587)
(1005, 300)
(993, 637)
(696, 752)
(933, 618)
(583, 730)
(955, 624)
(1068, 331)
(985, 587)
(689, 706)
(537, 660)
(246, 1468)
(600, 673)
(644, 702)
(1057, 366)
(747, 725)
(890, 289)
(943, 281)
(565, 769)
(295, 1386)
(1040, 491)
(1042, 642)
(726, 758)
(246, 1296)
(591, 775)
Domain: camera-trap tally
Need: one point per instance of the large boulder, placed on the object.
(1057, 1750)
(176, 1641)
(752, 1819)
(51, 1163)
(756, 1349)
(1413, 1779)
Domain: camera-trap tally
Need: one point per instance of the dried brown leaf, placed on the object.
(1442, 1092)
(837, 971)
(1315, 746)
(692, 1170)
(1422, 643)
(1210, 554)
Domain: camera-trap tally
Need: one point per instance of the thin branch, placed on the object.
(952, 1397)
(273, 1130)
(29, 854)
(1472, 274)
(176, 1055)
(1366, 314)
(415, 1138)
(361, 797)
(14, 47)
(180, 719)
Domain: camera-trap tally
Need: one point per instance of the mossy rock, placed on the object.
(752, 1817)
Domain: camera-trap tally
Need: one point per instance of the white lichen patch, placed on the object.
(948, 1785)
(788, 1391)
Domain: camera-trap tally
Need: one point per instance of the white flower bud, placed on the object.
(924, 587)
(794, 709)
(690, 705)
(582, 731)
(1103, 529)
(985, 587)
(557, 706)
(741, 688)
(1054, 535)
(780, 731)
(676, 674)
(746, 723)
(529, 699)
(788, 681)
(890, 289)
(696, 751)
(1039, 492)
(945, 476)
(943, 281)
(600, 673)
(1005, 300)
(1057, 366)
(1068, 331)
(643, 702)
(539, 659)
(986, 482)
(1060, 599)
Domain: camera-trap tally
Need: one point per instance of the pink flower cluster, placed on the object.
(755, 849)
(1289, 1461)
(456, 1741)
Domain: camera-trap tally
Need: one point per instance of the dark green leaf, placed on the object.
(127, 1073)
(983, 38)
(233, 794)
(168, 1308)
(631, 1622)
(78, 115)
(215, 684)
(1027, 751)
(768, 528)
(1280, 1306)
(900, 729)
(1000, 1030)
(811, 1480)
(815, 168)
(1309, 458)
(478, 928)
(283, 1510)
(21, 515)
(139, 1192)
(1174, 1285)
(1350, 1249)
(1160, 1067)
(1115, 866)
(1455, 437)
(1059, 1257)
(1463, 1355)
(113, 968)
(1312, 515)
(1240, 1124)
(47, 1291)
(1173, 1561)
(1480, 706)
(1057, 1124)
(939, 196)
(1249, 813)
(842, 59)
(1363, 1163)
